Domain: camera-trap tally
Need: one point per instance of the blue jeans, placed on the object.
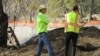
(43, 40)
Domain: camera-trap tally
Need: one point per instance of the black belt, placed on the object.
(41, 32)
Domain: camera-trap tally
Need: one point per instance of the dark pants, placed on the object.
(43, 40)
(71, 36)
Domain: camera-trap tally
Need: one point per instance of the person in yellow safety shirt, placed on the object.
(71, 30)
(41, 26)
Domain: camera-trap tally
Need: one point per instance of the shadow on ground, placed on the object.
(89, 47)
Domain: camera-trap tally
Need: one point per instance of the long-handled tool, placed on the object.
(14, 36)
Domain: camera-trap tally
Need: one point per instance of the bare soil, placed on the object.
(57, 40)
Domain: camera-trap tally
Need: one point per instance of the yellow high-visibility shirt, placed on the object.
(70, 18)
(42, 23)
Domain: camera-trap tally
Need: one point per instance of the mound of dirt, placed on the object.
(57, 39)
(92, 32)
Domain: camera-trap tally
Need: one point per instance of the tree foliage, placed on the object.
(55, 8)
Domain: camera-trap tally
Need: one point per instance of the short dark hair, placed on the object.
(40, 10)
(75, 8)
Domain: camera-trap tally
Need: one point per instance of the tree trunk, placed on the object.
(80, 8)
(3, 26)
(31, 13)
(90, 9)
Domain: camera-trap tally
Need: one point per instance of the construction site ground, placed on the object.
(90, 34)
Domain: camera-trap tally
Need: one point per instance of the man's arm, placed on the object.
(82, 23)
(66, 23)
(43, 19)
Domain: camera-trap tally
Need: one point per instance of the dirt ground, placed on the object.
(57, 40)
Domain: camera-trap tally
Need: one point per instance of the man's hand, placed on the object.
(75, 25)
(83, 23)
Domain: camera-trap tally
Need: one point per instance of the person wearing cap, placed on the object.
(71, 30)
(41, 27)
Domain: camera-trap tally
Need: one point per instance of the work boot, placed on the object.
(35, 55)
